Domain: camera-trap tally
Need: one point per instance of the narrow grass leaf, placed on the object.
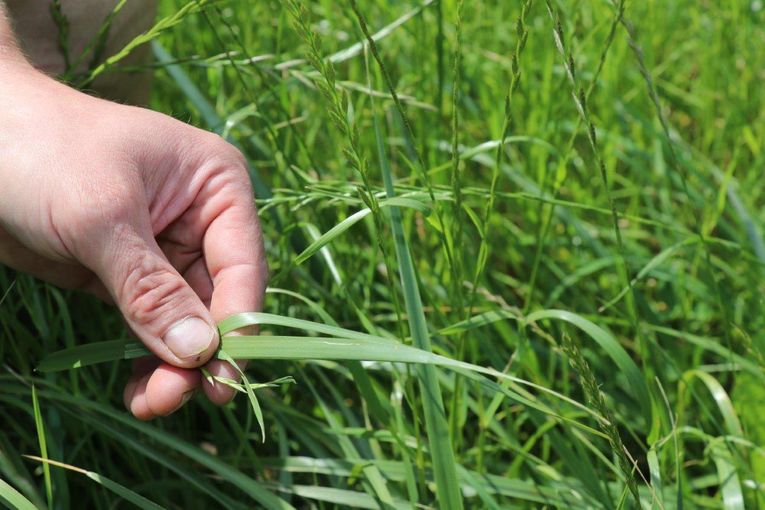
(654, 468)
(111, 485)
(442, 454)
(331, 234)
(226, 472)
(609, 344)
(43, 443)
(352, 346)
(722, 452)
(13, 498)
(83, 355)
(604, 339)
(250, 393)
(343, 497)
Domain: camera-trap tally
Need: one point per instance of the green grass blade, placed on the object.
(250, 393)
(13, 498)
(42, 441)
(342, 497)
(331, 234)
(124, 492)
(326, 348)
(722, 399)
(656, 485)
(436, 424)
(259, 319)
(349, 346)
(722, 452)
(83, 355)
(226, 472)
(609, 344)
(111, 485)
(603, 338)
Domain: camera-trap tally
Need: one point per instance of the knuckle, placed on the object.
(151, 294)
(225, 159)
(218, 145)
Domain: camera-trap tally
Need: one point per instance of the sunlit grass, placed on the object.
(516, 253)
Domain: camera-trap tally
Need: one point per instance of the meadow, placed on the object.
(516, 252)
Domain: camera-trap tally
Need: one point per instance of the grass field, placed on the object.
(568, 193)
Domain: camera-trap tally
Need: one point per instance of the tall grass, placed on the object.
(517, 255)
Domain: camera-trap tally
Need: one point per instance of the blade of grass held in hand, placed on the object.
(339, 345)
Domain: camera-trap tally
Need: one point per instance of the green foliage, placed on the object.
(531, 278)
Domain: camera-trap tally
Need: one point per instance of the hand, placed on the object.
(139, 209)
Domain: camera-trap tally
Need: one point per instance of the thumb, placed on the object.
(157, 303)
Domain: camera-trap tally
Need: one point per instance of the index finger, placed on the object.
(235, 259)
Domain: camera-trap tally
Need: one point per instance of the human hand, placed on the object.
(139, 209)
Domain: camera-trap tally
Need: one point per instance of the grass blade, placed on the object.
(603, 338)
(250, 393)
(83, 355)
(248, 485)
(723, 453)
(609, 344)
(13, 498)
(342, 497)
(442, 454)
(111, 485)
(40, 427)
(331, 234)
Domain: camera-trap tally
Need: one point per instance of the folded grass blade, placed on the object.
(603, 338)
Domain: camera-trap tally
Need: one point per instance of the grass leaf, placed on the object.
(13, 498)
(111, 485)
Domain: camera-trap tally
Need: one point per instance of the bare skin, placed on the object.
(142, 210)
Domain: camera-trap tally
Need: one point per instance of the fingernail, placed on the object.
(189, 338)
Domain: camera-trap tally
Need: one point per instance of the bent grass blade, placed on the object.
(603, 338)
